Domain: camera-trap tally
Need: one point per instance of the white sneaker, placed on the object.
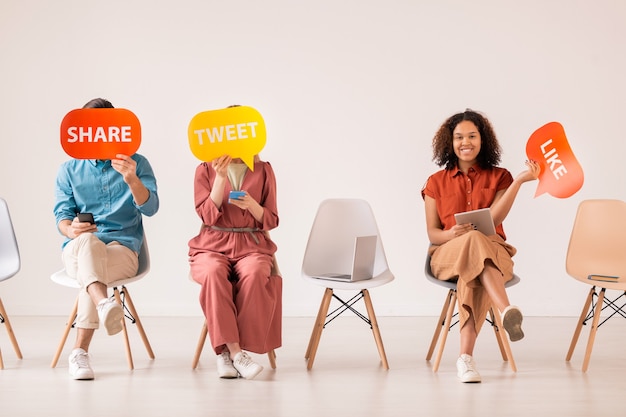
(111, 315)
(225, 368)
(246, 366)
(466, 369)
(512, 322)
(79, 365)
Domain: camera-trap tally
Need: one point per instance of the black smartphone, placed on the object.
(85, 218)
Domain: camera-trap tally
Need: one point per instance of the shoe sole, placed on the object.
(113, 320)
(473, 380)
(252, 375)
(512, 323)
(82, 377)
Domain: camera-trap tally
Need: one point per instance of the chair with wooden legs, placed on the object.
(596, 256)
(122, 296)
(331, 248)
(9, 266)
(448, 314)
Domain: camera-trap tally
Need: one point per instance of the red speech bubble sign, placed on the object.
(100, 133)
(561, 175)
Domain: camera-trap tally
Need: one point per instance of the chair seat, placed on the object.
(61, 278)
(377, 281)
(451, 285)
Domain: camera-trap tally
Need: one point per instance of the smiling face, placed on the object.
(466, 144)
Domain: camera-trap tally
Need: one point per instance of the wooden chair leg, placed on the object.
(321, 317)
(200, 346)
(498, 335)
(446, 330)
(10, 332)
(375, 329)
(440, 323)
(129, 355)
(271, 356)
(66, 332)
(579, 325)
(503, 340)
(594, 329)
(318, 327)
(140, 329)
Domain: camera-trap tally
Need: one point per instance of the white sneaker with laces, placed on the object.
(246, 366)
(111, 315)
(225, 368)
(79, 365)
(466, 369)
(512, 322)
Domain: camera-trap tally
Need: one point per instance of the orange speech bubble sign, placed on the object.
(235, 131)
(100, 133)
(561, 175)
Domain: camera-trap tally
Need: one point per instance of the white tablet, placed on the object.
(481, 219)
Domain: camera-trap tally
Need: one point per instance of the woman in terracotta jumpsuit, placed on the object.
(232, 259)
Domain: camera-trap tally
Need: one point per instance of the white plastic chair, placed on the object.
(9, 266)
(122, 295)
(448, 313)
(330, 248)
(596, 256)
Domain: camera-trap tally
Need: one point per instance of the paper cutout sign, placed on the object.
(561, 175)
(235, 131)
(100, 133)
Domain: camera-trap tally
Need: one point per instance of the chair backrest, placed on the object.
(9, 251)
(597, 243)
(331, 241)
(144, 258)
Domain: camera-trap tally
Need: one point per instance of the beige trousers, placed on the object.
(88, 259)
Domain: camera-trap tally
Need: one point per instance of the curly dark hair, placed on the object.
(443, 152)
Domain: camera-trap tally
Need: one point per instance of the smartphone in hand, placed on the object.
(85, 218)
(235, 195)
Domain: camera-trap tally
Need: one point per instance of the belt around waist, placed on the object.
(250, 230)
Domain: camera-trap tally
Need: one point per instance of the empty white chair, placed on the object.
(330, 248)
(9, 266)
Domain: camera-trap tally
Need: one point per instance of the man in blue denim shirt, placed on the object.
(117, 192)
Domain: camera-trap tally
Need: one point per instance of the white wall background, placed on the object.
(351, 92)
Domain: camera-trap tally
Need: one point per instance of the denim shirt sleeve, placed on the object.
(146, 175)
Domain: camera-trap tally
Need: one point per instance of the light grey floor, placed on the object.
(346, 379)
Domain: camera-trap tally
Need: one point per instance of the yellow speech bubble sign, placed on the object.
(235, 131)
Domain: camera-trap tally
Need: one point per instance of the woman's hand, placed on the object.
(246, 202)
(460, 229)
(220, 165)
(531, 174)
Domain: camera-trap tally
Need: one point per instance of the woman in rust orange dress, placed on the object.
(467, 146)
